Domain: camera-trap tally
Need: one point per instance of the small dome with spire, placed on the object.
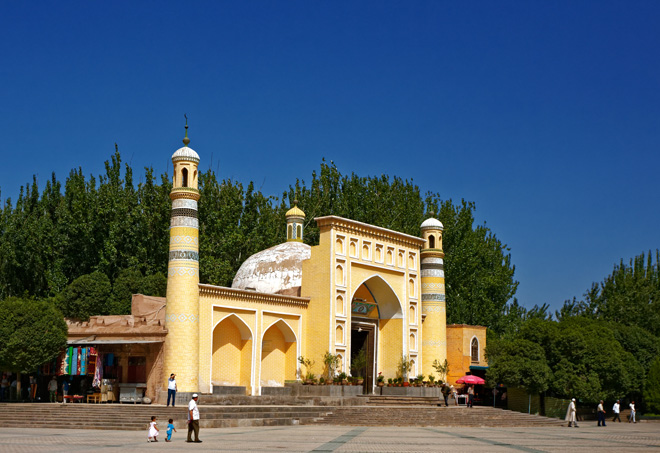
(185, 153)
(295, 211)
(432, 223)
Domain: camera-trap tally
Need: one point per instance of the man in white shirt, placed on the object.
(601, 414)
(616, 409)
(631, 418)
(193, 419)
(171, 389)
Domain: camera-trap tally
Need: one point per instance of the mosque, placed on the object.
(362, 287)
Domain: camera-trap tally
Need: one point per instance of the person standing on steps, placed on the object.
(571, 414)
(445, 393)
(616, 409)
(52, 389)
(171, 389)
(470, 392)
(601, 414)
(193, 419)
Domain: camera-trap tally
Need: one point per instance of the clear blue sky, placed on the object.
(546, 114)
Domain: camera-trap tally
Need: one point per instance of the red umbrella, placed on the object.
(470, 379)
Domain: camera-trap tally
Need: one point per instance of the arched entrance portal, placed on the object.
(232, 353)
(376, 329)
(278, 355)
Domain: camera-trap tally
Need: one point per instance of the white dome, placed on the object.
(432, 223)
(273, 270)
(185, 153)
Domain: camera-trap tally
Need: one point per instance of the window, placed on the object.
(184, 177)
(431, 242)
(475, 349)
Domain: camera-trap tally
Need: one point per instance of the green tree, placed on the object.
(31, 333)
(518, 363)
(86, 296)
(652, 388)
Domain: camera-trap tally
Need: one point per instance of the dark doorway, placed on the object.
(363, 336)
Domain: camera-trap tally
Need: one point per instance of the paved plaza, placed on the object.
(614, 437)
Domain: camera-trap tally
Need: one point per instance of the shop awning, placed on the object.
(90, 342)
(478, 367)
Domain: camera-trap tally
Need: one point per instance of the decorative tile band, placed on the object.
(184, 203)
(428, 266)
(432, 260)
(184, 255)
(184, 222)
(183, 271)
(184, 212)
(181, 317)
(433, 273)
(184, 240)
(440, 286)
(432, 297)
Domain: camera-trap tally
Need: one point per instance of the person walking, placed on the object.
(445, 393)
(600, 412)
(470, 392)
(616, 409)
(33, 388)
(4, 387)
(193, 419)
(571, 414)
(52, 389)
(170, 428)
(65, 390)
(454, 394)
(171, 389)
(152, 433)
(631, 418)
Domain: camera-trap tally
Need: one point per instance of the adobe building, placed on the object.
(362, 287)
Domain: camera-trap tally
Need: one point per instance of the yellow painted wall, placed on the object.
(459, 337)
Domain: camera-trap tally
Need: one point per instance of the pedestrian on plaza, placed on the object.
(52, 389)
(454, 395)
(445, 393)
(616, 409)
(65, 390)
(631, 417)
(4, 387)
(153, 430)
(470, 393)
(571, 414)
(171, 389)
(193, 419)
(170, 428)
(13, 395)
(33, 387)
(600, 412)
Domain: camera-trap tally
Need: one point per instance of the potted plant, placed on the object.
(442, 368)
(321, 380)
(380, 379)
(308, 364)
(420, 380)
(389, 382)
(431, 380)
(331, 362)
(404, 367)
(343, 378)
(310, 378)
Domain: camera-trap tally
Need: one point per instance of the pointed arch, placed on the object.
(474, 349)
(389, 305)
(231, 353)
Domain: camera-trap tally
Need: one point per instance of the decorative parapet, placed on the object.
(185, 192)
(364, 229)
(252, 296)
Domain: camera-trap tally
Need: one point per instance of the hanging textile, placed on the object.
(98, 372)
(74, 363)
(68, 361)
(83, 361)
(79, 360)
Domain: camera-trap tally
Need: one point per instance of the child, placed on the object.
(170, 427)
(153, 430)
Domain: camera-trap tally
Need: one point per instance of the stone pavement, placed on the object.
(615, 437)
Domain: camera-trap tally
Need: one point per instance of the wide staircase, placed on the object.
(137, 417)
(391, 411)
(378, 411)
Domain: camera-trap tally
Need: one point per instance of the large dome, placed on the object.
(277, 270)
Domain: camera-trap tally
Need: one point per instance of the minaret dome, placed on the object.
(295, 218)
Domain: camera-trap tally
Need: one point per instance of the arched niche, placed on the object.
(231, 360)
(278, 354)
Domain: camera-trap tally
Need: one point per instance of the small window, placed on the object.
(184, 177)
(431, 242)
(475, 350)
(299, 232)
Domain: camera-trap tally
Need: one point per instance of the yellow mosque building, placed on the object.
(361, 287)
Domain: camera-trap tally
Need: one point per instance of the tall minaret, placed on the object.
(181, 351)
(434, 329)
